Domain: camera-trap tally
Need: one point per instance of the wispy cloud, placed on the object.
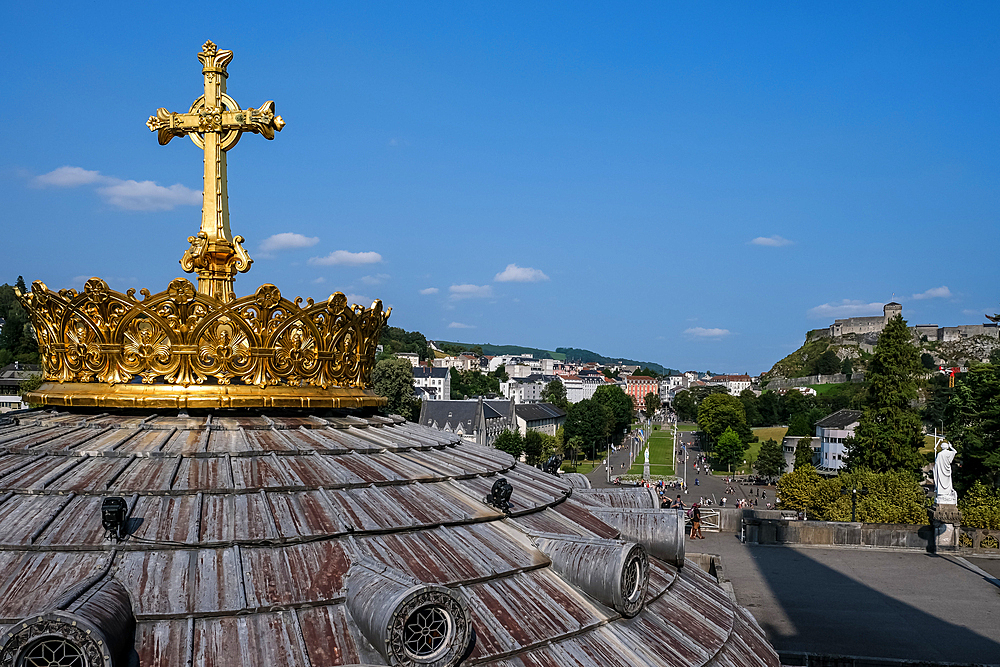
(771, 241)
(319, 281)
(346, 258)
(358, 299)
(520, 274)
(934, 293)
(979, 313)
(845, 308)
(459, 325)
(376, 279)
(125, 194)
(285, 241)
(429, 290)
(702, 332)
(470, 291)
(68, 177)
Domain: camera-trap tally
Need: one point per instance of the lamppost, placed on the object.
(854, 499)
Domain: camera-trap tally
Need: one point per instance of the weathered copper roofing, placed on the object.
(277, 538)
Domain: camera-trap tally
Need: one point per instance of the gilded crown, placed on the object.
(260, 349)
(204, 347)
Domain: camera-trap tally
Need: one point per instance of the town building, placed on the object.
(542, 417)
(637, 386)
(734, 384)
(435, 382)
(832, 431)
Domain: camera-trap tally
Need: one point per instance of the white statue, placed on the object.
(942, 475)
(647, 455)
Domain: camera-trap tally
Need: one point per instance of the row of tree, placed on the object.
(592, 423)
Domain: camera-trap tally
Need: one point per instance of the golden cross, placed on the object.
(215, 123)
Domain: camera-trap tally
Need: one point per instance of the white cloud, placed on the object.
(345, 258)
(358, 299)
(520, 274)
(429, 290)
(772, 241)
(126, 194)
(846, 308)
(934, 293)
(459, 325)
(319, 281)
(702, 332)
(376, 279)
(470, 291)
(148, 196)
(285, 241)
(69, 177)
(972, 312)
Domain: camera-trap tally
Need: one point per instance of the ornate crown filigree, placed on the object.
(182, 337)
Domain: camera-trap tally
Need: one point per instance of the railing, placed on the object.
(710, 521)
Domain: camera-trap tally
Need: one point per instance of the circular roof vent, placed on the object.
(55, 639)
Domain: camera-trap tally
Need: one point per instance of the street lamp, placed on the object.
(854, 499)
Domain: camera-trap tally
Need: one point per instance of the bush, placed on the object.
(980, 507)
(893, 497)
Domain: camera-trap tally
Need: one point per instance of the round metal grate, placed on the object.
(427, 632)
(52, 652)
(631, 578)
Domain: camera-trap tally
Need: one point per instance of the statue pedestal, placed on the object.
(946, 520)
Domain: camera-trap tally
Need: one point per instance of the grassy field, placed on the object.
(687, 427)
(584, 465)
(776, 433)
(660, 450)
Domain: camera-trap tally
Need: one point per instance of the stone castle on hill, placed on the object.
(929, 332)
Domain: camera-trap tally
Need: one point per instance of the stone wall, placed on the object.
(836, 378)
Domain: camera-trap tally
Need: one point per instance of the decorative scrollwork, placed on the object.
(965, 540)
(180, 336)
(989, 542)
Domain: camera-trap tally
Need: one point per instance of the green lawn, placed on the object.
(660, 450)
(687, 427)
(583, 465)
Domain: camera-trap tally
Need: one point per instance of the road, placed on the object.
(700, 486)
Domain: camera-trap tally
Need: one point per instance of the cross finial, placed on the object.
(215, 123)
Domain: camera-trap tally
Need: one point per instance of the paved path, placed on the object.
(874, 603)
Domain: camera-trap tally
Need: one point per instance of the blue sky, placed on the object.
(696, 186)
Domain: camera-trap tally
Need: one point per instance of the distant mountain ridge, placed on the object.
(560, 354)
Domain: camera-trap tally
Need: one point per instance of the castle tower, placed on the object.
(891, 309)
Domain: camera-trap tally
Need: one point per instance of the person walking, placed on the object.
(696, 523)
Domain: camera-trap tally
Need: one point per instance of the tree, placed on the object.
(721, 411)
(803, 452)
(555, 393)
(538, 447)
(889, 432)
(729, 448)
(847, 367)
(645, 372)
(827, 363)
(768, 407)
(393, 379)
(796, 488)
(749, 401)
(465, 384)
(972, 421)
(587, 420)
(620, 409)
(685, 407)
(511, 442)
(927, 361)
(652, 401)
(771, 460)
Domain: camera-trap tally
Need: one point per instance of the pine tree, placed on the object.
(889, 433)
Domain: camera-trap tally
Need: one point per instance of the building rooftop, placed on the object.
(840, 419)
(255, 538)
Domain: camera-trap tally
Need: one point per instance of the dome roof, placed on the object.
(262, 538)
